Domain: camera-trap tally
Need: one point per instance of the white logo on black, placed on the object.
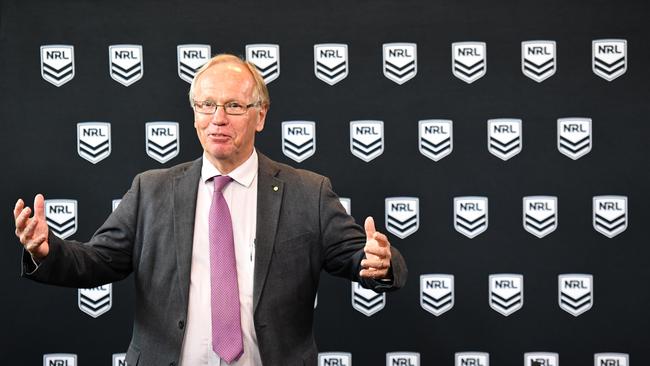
(162, 140)
(402, 359)
(366, 139)
(609, 58)
(57, 64)
(95, 301)
(367, 301)
(540, 215)
(610, 215)
(334, 359)
(435, 139)
(298, 139)
(331, 62)
(541, 359)
(468, 60)
(470, 215)
(94, 141)
(472, 359)
(611, 359)
(575, 293)
(400, 61)
(574, 136)
(402, 215)
(119, 359)
(125, 63)
(190, 59)
(504, 137)
(347, 204)
(115, 203)
(266, 57)
(437, 293)
(60, 359)
(61, 217)
(506, 293)
(538, 59)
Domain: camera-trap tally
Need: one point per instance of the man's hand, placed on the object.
(377, 262)
(33, 231)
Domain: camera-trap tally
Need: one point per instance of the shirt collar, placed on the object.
(243, 174)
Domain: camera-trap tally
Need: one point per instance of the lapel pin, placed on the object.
(275, 188)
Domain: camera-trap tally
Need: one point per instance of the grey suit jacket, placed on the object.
(301, 229)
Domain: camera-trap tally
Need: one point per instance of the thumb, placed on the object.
(369, 225)
(39, 207)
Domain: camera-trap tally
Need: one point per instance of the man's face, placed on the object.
(227, 139)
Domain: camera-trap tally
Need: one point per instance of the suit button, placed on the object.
(181, 324)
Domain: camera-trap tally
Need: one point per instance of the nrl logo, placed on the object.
(504, 137)
(61, 217)
(266, 57)
(57, 64)
(367, 301)
(403, 358)
(331, 62)
(366, 139)
(468, 60)
(611, 359)
(609, 58)
(94, 141)
(115, 203)
(574, 136)
(538, 59)
(470, 215)
(472, 358)
(298, 139)
(125, 63)
(437, 293)
(119, 359)
(60, 359)
(334, 359)
(190, 59)
(400, 61)
(540, 215)
(95, 301)
(575, 293)
(610, 215)
(402, 215)
(506, 293)
(541, 359)
(347, 204)
(435, 138)
(162, 140)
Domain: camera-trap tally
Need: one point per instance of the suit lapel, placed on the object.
(184, 189)
(269, 201)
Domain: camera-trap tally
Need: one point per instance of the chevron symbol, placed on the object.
(436, 150)
(472, 227)
(402, 215)
(538, 59)
(162, 141)
(402, 227)
(57, 64)
(575, 293)
(437, 293)
(367, 139)
(367, 301)
(95, 301)
(435, 138)
(126, 63)
(506, 293)
(269, 72)
(61, 217)
(331, 73)
(574, 137)
(298, 139)
(331, 62)
(469, 60)
(400, 61)
(609, 58)
(191, 57)
(610, 215)
(539, 226)
(63, 229)
(94, 140)
(266, 58)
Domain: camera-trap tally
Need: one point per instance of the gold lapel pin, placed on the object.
(275, 188)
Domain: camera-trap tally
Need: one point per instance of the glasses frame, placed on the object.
(225, 107)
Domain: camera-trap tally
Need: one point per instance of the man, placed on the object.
(226, 250)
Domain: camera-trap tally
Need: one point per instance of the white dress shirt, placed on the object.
(241, 197)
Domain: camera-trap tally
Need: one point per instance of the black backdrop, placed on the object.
(39, 154)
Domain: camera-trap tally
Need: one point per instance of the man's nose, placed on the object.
(220, 117)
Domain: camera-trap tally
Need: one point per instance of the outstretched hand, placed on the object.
(33, 231)
(377, 261)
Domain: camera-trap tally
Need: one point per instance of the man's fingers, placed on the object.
(376, 251)
(22, 218)
(39, 207)
(369, 225)
(375, 263)
(373, 273)
(18, 208)
(381, 239)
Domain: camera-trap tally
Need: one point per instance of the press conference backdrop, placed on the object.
(503, 146)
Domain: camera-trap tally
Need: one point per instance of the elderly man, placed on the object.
(226, 250)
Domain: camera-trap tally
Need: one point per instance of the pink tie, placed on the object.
(226, 319)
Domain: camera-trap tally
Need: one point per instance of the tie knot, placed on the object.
(220, 182)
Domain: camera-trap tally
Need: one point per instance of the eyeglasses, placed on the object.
(231, 108)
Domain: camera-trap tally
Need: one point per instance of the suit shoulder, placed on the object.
(291, 174)
(155, 175)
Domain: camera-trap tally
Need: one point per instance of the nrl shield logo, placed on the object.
(334, 359)
(540, 215)
(575, 293)
(125, 63)
(541, 359)
(611, 359)
(506, 293)
(57, 64)
(609, 58)
(95, 301)
(435, 138)
(366, 139)
(468, 60)
(115, 203)
(610, 215)
(400, 61)
(402, 215)
(190, 59)
(366, 301)
(574, 136)
(402, 359)
(472, 359)
(60, 359)
(437, 293)
(61, 217)
(347, 204)
(119, 359)
(94, 141)
(298, 139)
(331, 62)
(266, 57)
(538, 59)
(504, 137)
(162, 140)
(470, 215)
